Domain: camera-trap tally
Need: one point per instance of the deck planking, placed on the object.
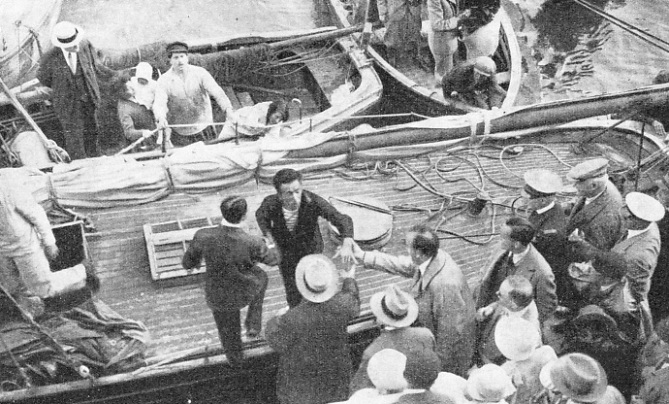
(175, 311)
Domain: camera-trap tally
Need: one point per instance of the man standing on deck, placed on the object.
(289, 221)
(183, 97)
(233, 279)
(71, 69)
(445, 303)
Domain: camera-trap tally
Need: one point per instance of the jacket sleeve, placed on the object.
(160, 100)
(278, 333)
(351, 294)
(34, 214)
(454, 327)
(263, 217)
(45, 70)
(342, 222)
(127, 123)
(216, 91)
(546, 297)
(402, 265)
(193, 256)
(441, 18)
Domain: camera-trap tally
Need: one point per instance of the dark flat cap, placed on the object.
(176, 47)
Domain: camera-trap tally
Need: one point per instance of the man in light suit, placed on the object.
(519, 257)
(445, 303)
(233, 280)
(596, 215)
(72, 70)
(312, 339)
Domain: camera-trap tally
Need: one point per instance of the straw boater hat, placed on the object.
(489, 383)
(541, 183)
(317, 278)
(577, 376)
(386, 370)
(644, 207)
(65, 34)
(516, 338)
(394, 307)
(586, 170)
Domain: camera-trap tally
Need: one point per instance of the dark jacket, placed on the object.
(551, 239)
(307, 238)
(533, 267)
(312, 341)
(600, 221)
(55, 73)
(229, 254)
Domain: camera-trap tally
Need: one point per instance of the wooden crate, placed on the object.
(167, 243)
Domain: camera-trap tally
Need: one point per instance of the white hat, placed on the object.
(394, 307)
(144, 70)
(66, 35)
(317, 278)
(645, 207)
(516, 338)
(386, 370)
(541, 182)
(489, 383)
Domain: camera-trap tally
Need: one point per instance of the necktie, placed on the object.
(72, 62)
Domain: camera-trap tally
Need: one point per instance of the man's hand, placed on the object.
(483, 313)
(346, 251)
(350, 273)
(51, 251)
(161, 123)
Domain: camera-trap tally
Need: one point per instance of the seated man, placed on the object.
(257, 120)
(136, 119)
(183, 97)
(474, 83)
(26, 240)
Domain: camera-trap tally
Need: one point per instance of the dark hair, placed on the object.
(233, 209)
(277, 106)
(521, 230)
(662, 77)
(426, 240)
(118, 87)
(422, 369)
(285, 176)
(521, 292)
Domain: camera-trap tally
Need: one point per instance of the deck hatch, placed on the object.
(167, 242)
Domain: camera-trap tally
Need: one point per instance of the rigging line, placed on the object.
(554, 154)
(637, 32)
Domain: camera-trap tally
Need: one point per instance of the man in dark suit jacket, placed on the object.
(289, 219)
(519, 257)
(71, 69)
(312, 339)
(233, 280)
(597, 213)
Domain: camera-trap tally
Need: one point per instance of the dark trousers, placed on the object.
(228, 324)
(206, 134)
(81, 131)
(293, 295)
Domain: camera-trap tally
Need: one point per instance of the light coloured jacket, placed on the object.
(445, 304)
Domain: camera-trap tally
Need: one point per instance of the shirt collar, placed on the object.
(423, 267)
(589, 200)
(228, 224)
(545, 208)
(520, 255)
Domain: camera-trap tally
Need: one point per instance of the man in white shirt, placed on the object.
(183, 97)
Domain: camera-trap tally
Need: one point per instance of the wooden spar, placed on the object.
(308, 39)
(449, 128)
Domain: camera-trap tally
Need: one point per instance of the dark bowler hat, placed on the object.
(586, 170)
(176, 47)
(540, 183)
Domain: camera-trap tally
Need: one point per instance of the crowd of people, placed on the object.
(178, 101)
(561, 314)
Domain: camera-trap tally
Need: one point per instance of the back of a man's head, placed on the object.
(233, 209)
(425, 241)
(422, 369)
(521, 230)
(285, 176)
(519, 289)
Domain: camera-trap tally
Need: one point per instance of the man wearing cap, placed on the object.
(474, 82)
(396, 311)
(312, 338)
(445, 303)
(183, 97)
(233, 278)
(550, 221)
(517, 256)
(638, 249)
(144, 84)
(596, 214)
(71, 69)
(289, 221)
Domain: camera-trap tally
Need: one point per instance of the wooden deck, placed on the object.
(175, 311)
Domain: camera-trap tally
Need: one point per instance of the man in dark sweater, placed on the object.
(289, 221)
(233, 280)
